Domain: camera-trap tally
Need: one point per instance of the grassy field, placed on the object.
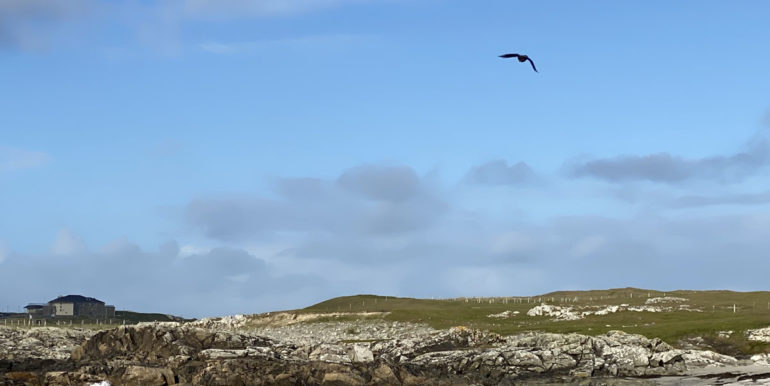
(721, 311)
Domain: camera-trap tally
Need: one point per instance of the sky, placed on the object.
(204, 158)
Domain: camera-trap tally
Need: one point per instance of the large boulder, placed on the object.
(157, 341)
(759, 334)
(40, 342)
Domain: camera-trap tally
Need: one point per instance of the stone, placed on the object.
(159, 353)
(759, 334)
(341, 379)
(667, 299)
(504, 314)
(141, 375)
(705, 358)
(384, 375)
(360, 353)
(761, 359)
(560, 313)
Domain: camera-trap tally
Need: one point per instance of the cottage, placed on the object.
(71, 306)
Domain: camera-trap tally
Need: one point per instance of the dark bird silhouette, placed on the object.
(522, 58)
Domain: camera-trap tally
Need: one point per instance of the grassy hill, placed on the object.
(720, 311)
(135, 317)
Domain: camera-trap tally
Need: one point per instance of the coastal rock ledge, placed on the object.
(174, 353)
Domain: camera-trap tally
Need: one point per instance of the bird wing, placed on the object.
(533, 64)
(509, 56)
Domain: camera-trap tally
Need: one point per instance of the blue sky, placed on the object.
(277, 153)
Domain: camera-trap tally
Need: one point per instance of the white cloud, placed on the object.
(325, 42)
(120, 246)
(252, 8)
(512, 242)
(240, 278)
(29, 25)
(17, 159)
(766, 118)
(588, 246)
(383, 201)
(67, 243)
(446, 262)
(664, 167)
(37, 25)
(4, 252)
(190, 250)
(225, 280)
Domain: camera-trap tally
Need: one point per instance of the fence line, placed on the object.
(44, 322)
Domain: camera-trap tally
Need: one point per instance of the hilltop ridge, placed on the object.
(704, 315)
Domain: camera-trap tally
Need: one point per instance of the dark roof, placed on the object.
(34, 306)
(75, 299)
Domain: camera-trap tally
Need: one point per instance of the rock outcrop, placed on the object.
(156, 342)
(665, 299)
(557, 312)
(175, 353)
(759, 334)
(574, 313)
(40, 342)
(503, 315)
(227, 322)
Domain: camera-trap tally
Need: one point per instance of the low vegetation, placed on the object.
(718, 311)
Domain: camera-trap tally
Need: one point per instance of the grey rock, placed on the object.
(360, 353)
(162, 353)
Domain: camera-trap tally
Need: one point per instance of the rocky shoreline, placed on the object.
(336, 353)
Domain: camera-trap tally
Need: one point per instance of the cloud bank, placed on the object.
(390, 230)
(576, 252)
(38, 25)
(498, 172)
(31, 24)
(220, 281)
(671, 169)
(367, 200)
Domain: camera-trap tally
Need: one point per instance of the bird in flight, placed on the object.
(522, 58)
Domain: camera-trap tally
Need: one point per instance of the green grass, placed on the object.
(753, 311)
